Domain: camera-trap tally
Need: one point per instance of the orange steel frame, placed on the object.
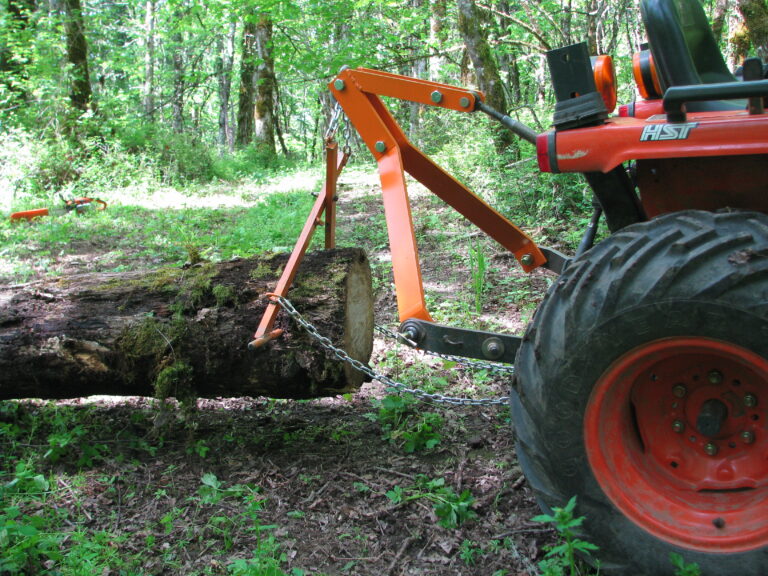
(324, 205)
(359, 93)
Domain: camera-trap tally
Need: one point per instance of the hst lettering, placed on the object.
(659, 132)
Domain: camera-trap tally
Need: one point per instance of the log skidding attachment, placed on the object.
(358, 92)
(324, 204)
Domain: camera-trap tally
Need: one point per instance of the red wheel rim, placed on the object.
(676, 435)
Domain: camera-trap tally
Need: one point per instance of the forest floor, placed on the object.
(331, 486)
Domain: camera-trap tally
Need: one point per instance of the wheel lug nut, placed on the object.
(710, 449)
(747, 436)
(679, 390)
(715, 377)
(750, 400)
(678, 426)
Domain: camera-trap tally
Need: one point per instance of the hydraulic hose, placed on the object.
(515, 126)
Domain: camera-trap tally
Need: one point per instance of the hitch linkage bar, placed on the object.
(453, 341)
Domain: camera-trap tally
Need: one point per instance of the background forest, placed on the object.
(95, 95)
(201, 123)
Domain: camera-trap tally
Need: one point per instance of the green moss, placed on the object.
(176, 380)
(198, 286)
(224, 295)
(145, 339)
(263, 271)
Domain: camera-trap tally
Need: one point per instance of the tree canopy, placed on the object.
(235, 73)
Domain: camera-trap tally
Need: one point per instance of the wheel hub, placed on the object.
(676, 435)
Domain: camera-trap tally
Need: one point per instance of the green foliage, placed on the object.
(478, 268)
(561, 558)
(682, 568)
(451, 509)
(469, 551)
(404, 426)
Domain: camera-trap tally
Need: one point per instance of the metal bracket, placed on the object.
(453, 341)
(556, 261)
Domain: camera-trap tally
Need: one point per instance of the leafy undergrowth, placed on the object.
(368, 484)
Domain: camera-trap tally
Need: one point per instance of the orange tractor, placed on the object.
(641, 384)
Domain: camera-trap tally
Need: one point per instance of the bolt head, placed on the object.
(436, 96)
(339, 84)
(679, 390)
(493, 348)
(381, 147)
(678, 426)
(711, 449)
(464, 102)
(527, 260)
(715, 377)
(750, 400)
(747, 436)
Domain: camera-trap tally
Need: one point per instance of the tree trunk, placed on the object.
(755, 14)
(77, 55)
(184, 332)
(474, 34)
(149, 61)
(224, 64)
(419, 69)
(718, 19)
(264, 111)
(436, 38)
(247, 95)
(177, 100)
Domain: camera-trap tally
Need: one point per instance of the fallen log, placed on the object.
(183, 332)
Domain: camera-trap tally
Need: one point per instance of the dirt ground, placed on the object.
(323, 467)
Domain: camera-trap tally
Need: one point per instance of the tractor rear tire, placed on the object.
(641, 387)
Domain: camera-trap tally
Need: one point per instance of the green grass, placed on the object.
(121, 237)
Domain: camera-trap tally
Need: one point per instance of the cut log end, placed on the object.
(184, 333)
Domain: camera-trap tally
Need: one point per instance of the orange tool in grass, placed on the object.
(79, 205)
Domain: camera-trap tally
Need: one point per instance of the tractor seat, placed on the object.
(684, 49)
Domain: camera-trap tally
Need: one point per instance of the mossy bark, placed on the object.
(184, 332)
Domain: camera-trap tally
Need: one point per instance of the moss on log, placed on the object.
(184, 332)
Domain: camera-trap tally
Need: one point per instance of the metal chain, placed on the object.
(339, 117)
(383, 378)
(334, 123)
(347, 134)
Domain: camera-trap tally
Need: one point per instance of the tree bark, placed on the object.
(247, 94)
(718, 18)
(178, 58)
(184, 332)
(436, 37)
(264, 111)
(224, 64)
(755, 14)
(486, 69)
(149, 61)
(77, 55)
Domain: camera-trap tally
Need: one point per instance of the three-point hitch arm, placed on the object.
(359, 93)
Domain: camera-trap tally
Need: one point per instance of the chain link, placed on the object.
(347, 134)
(333, 125)
(341, 355)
